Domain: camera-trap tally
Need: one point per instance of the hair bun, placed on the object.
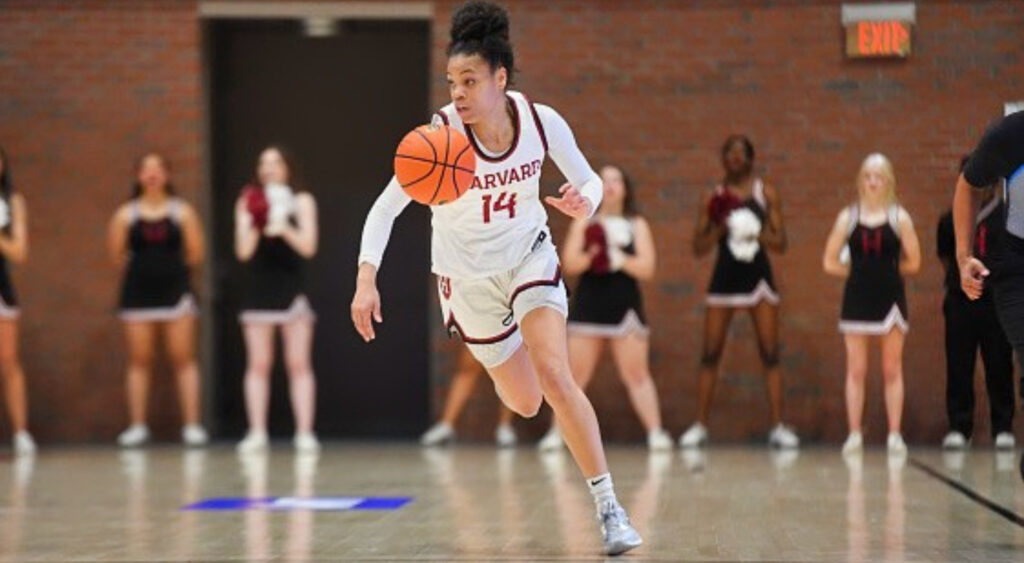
(477, 21)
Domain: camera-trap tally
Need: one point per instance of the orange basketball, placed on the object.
(435, 165)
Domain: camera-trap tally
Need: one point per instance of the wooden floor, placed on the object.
(474, 503)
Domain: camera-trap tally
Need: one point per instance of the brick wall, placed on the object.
(652, 86)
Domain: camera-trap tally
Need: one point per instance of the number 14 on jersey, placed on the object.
(504, 202)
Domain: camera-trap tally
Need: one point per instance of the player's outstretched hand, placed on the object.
(366, 309)
(572, 202)
(972, 277)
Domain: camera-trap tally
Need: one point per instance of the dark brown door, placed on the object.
(340, 104)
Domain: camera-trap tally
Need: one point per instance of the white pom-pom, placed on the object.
(617, 231)
(744, 230)
(5, 213)
(844, 255)
(281, 203)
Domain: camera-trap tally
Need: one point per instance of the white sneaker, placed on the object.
(24, 445)
(306, 443)
(659, 441)
(955, 441)
(1005, 441)
(253, 442)
(896, 445)
(135, 436)
(694, 437)
(618, 534)
(551, 441)
(194, 435)
(783, 437)
(440, 433)
(854, 444)
(505, 436)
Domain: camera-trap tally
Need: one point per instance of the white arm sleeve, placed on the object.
(380, 219)
(563, 150)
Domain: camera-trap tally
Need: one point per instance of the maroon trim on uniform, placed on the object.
(538, 283)
(443, 116)
(515, 138)
(536, 121)
(470, 340)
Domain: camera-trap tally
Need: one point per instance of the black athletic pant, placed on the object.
(971, 326)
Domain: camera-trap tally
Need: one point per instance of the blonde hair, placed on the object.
(884, 165)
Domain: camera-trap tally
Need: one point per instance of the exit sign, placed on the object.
(879, 30)
(878, 39)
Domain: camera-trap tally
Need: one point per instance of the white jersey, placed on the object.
(491, 228)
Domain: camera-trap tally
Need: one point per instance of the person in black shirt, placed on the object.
(998, 156)
(971, 325)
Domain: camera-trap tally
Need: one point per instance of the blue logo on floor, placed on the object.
(328, 504)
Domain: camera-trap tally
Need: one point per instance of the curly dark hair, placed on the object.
(481, 28)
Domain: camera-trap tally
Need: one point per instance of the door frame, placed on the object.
(312, 13)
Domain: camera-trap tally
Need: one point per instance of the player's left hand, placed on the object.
(572, 202)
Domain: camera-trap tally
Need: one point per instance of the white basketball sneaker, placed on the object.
(194, 436)
(1005, 441)
(659, 441)
(24, 445)
(783, 437)
(306, 443)
(551, 441)
(694, 437)
(505, 436)
(854, 444)
(618, 534)
(136, 435)
(954, 441)
(254, 442)
(438, 434)
(896, 445)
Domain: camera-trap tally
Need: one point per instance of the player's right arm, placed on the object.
(376, 232)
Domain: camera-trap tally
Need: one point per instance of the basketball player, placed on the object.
(742, 217)
(275, 235)
(498, 274)
(882, 248)
(611, 253)
(13, 248)
(467, 371)
(156, 238)
(973, 326)
(999, 156)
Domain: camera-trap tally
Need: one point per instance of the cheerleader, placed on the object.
(467, 371)
(275, 235)
(742, 217)
(156, 238)
(499, 279)
(13, 248)
(612, 253)
(873, 245)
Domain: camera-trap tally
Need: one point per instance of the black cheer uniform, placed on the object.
(608, 304)
(874, 300)
(735, 283)
(8, 298)
(156, 282)
(274, 284)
